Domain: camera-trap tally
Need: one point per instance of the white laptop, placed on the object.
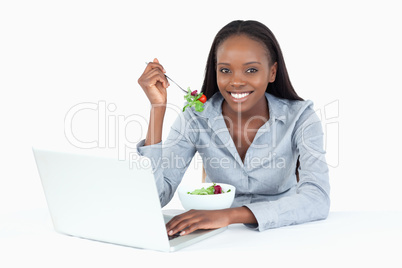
(107, 200)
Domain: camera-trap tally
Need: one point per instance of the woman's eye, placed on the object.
(252, 70)
(224, 70)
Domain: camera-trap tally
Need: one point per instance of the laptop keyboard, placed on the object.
(174, 236)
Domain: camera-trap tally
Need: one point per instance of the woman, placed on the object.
(253, 133)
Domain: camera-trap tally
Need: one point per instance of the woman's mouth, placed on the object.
(239, 96)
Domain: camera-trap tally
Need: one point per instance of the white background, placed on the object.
(343, 55)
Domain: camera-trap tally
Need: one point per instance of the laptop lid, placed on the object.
(103, 199)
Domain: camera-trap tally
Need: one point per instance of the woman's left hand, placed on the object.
(192, 220)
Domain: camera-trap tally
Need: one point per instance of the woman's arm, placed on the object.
(154, 134)
(208, 219)
(310, 199)
(154, 83)
(170, 160)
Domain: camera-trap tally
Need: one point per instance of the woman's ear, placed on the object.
(272, 72)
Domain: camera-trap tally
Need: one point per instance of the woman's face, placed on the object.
(243, 74)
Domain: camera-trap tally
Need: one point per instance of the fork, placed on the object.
(185, 91)
(176, 84)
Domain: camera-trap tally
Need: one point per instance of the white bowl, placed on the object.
(207, 202)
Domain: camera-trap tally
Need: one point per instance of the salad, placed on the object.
(195, 99)
(213, 189)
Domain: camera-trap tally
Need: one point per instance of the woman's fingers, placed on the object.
(158, 65)
(152, 69)
(178, 223)
(154, 76)
(154, 82)
(191, 228)
(154, 65)
(192, 220)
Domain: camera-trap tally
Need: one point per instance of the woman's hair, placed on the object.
(255, 30)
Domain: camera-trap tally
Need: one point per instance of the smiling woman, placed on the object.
(252, 120)
(258, 32)
(243, 82)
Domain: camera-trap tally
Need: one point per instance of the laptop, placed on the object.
(108, 200)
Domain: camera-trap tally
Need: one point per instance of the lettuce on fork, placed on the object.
(195, 99)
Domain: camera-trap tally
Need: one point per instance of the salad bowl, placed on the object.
(206, 201)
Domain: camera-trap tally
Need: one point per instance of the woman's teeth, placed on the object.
(239, 95)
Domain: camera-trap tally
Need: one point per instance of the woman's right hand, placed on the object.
(154, 83)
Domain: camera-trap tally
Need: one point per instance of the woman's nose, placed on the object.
(237, 80)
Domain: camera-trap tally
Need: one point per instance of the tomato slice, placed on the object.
(203, 98)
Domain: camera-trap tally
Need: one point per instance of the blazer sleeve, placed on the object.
(310, 201)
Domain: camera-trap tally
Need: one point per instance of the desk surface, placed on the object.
(350, 239)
